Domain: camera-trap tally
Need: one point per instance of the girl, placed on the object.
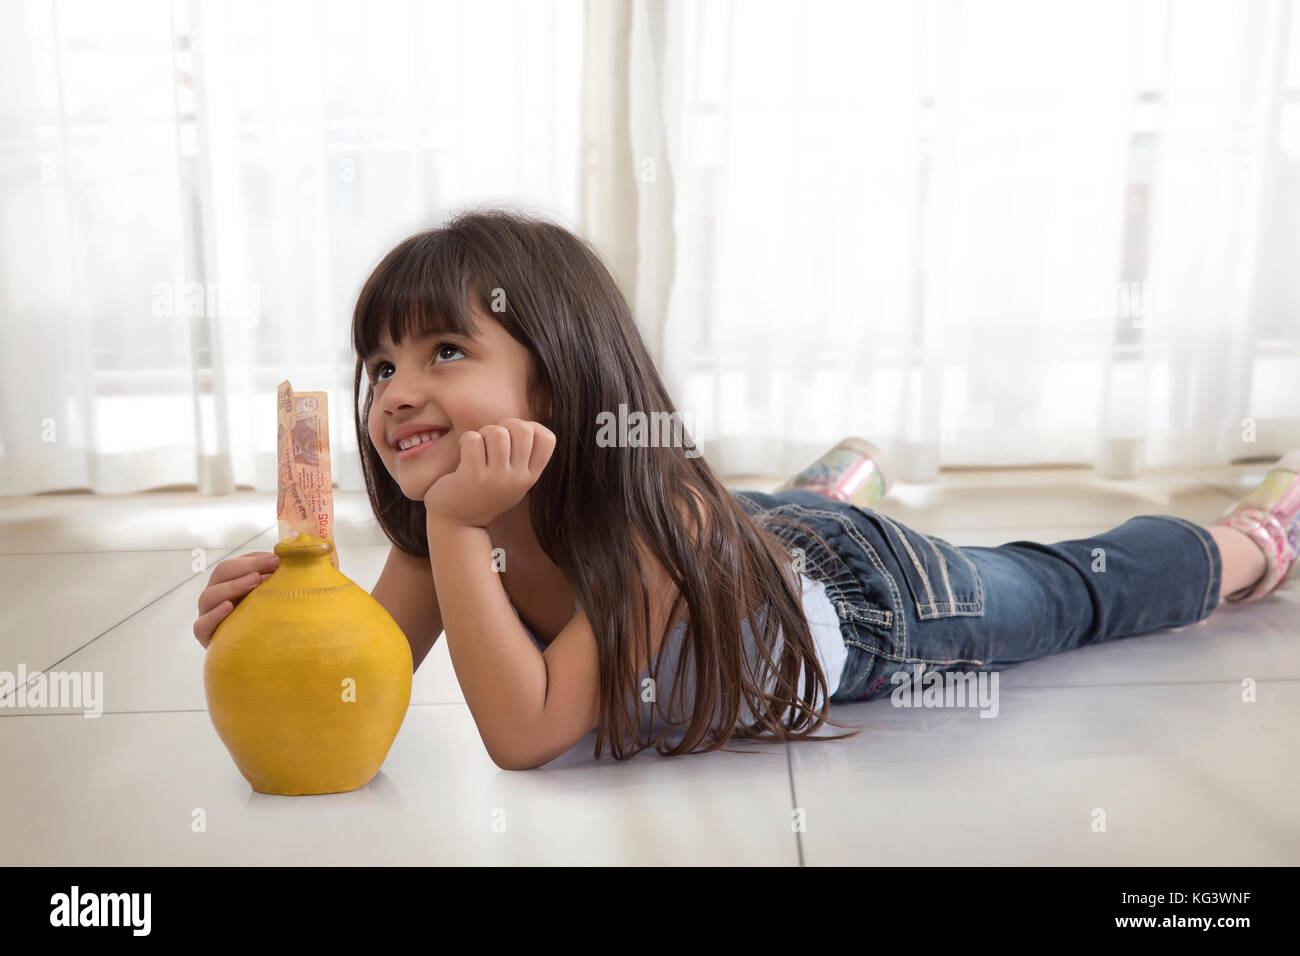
(501, 339)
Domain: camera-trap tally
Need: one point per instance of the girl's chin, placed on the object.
(416, 489)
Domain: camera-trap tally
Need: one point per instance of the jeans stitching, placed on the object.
(851, 532)
(845, 609)
(973, 608)
(835, 592)
(1201, 534)
(925, 578)
(834, 589)
(931, 660)
(943, 569)
(830, 580)
(877, 617)
(934, 609)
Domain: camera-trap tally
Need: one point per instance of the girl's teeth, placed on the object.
(411, 443)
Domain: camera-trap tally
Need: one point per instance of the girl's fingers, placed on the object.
(473, 451)
(521, 444)
(206, 625)
(543, 447)
(235, 590)
(230, 590)
(496, 442)
(231, 581)
(233, 568)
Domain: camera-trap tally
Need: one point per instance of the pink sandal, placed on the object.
(854, 471)
(1268, 515)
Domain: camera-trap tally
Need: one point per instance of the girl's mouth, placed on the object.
(416, 449)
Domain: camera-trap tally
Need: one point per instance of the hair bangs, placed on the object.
(421, 288)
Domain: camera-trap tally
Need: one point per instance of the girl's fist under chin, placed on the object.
(498, 464)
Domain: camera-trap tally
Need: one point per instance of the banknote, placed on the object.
(305, 501)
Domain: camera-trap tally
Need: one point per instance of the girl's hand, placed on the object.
(230, 583)
(498, 464)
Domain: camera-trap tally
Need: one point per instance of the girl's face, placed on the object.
(449, 383)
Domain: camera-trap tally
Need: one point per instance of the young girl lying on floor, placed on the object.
(576, 580)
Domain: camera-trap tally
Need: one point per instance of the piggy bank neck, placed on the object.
(295, 573)
(302, 558)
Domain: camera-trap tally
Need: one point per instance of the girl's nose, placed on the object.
(403, 392)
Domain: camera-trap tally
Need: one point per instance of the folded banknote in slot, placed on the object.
(305, 500)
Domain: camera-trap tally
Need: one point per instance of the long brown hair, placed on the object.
(591, 502)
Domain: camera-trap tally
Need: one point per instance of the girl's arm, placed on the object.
(501, 673)
(529, 707)
(572, 708)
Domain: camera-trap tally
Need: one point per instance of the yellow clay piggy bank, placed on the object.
(308, 678)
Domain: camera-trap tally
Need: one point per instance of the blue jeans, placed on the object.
(906, 599)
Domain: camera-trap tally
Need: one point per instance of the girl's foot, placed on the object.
(1270, 516)
(849, 472)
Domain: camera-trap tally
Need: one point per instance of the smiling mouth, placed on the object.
(414, 450)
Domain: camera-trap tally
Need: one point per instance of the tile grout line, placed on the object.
(794, 804)
(113, 627)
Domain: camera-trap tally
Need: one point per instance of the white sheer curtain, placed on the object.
(977, 234)
(981, 233)
(194, 192)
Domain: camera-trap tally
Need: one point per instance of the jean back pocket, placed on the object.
(942, 580)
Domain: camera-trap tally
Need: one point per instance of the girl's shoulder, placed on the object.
(659, 583)
(697, 533)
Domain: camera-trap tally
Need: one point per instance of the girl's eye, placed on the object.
(373, 370)
(443, 347)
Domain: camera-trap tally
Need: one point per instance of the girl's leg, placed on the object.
(1149, 573)
(975, 608)
(1243, 559)
(985, 608)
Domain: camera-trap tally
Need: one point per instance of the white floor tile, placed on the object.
(53, 604)
(123, 790)
(1186, 774)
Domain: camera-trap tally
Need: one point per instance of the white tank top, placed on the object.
(822, 621)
